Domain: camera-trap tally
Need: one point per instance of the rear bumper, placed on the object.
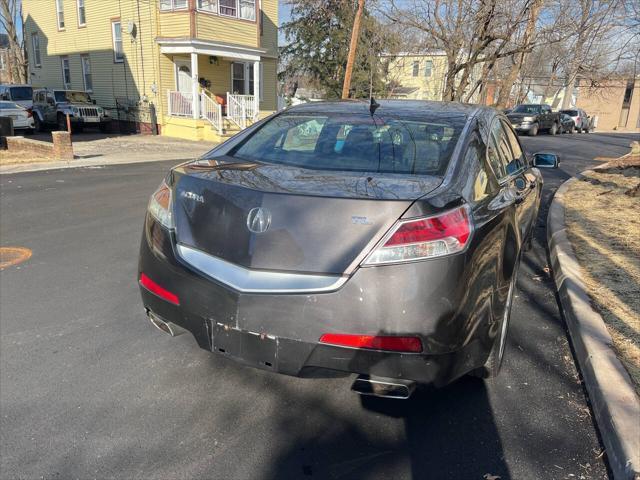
(280, 332)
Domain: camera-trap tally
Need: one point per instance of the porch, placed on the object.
(213, 86)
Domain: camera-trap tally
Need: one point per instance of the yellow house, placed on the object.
(416, 76)
(202, 68)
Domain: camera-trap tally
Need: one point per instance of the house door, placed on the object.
(183, 76)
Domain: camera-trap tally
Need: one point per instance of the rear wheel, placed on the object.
(37, 124)
(533, 131)
(492, 367)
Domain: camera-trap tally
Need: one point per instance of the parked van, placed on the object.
(20, 94)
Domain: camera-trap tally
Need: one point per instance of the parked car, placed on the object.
(20, 94)
(580, 119)
(385, 243)
(567, 124)
(21, 117)
(533, 118)
(51, 107)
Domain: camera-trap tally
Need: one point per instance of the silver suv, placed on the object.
(50, 108)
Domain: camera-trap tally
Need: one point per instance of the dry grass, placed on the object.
(604, 229)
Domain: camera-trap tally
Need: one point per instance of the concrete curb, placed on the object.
(614, 401)
(82, 163)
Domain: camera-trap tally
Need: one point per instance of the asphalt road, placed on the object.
(89, 389)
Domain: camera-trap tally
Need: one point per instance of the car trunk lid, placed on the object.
(310, 221)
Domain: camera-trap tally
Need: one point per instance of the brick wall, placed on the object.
(60, 149)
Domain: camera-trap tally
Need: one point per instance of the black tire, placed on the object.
(29, 131)
(61, 123)
(533, 131)
(38, 126)
(554, 129)
(105, 127)
(572, 129)
(493, 364)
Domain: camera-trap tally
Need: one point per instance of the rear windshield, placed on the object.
(571, 113)
(527, 109)
(21, 93)
(345, 142)
(9, 106)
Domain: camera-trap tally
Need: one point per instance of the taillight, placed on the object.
(156, 289)
(29, 113)
(374, 342)
(426, 237)
(160, 205)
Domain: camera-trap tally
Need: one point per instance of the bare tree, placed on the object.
(473, 34)
(589, 53)
(10, 12)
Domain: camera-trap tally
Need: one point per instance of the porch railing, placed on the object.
(180, 103)
(237, 110)
(240, 108)
(211, 110)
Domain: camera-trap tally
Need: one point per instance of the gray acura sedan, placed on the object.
(376, 238)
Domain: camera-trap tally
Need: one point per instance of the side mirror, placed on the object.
(546, 160)
(93, 101)
(50, 101)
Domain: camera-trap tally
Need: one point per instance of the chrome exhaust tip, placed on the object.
(383, 387)
(164, 326)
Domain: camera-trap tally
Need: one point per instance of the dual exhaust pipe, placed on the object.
(364, 384)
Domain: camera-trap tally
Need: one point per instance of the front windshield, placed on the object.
(21, 93)
(9, 106)
(420, 145)
(527, 109)
(72, 97)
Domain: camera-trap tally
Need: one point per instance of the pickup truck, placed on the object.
(533, 118)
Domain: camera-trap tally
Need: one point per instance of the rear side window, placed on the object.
(516, 162)
(571, 113)
(356, 142)
(21, 93)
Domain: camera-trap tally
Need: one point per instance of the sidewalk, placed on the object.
(94, 150)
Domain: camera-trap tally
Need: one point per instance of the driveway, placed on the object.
(89, 389)
(116, 148)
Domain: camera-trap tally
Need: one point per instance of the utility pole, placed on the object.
(355, 33)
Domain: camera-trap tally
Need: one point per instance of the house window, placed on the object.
(416, 68)
(248, 9)
(242, 79)
(66, 72)
(228, 7)
(173, 4)
(208, 5)
(428, 67)
(237, 78)
(60, 14)
(86, 73)
(116, 34)
(82, 17)
(35, 45)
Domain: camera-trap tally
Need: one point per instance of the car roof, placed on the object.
(389, 107)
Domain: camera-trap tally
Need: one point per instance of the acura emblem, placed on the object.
(258, 220)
